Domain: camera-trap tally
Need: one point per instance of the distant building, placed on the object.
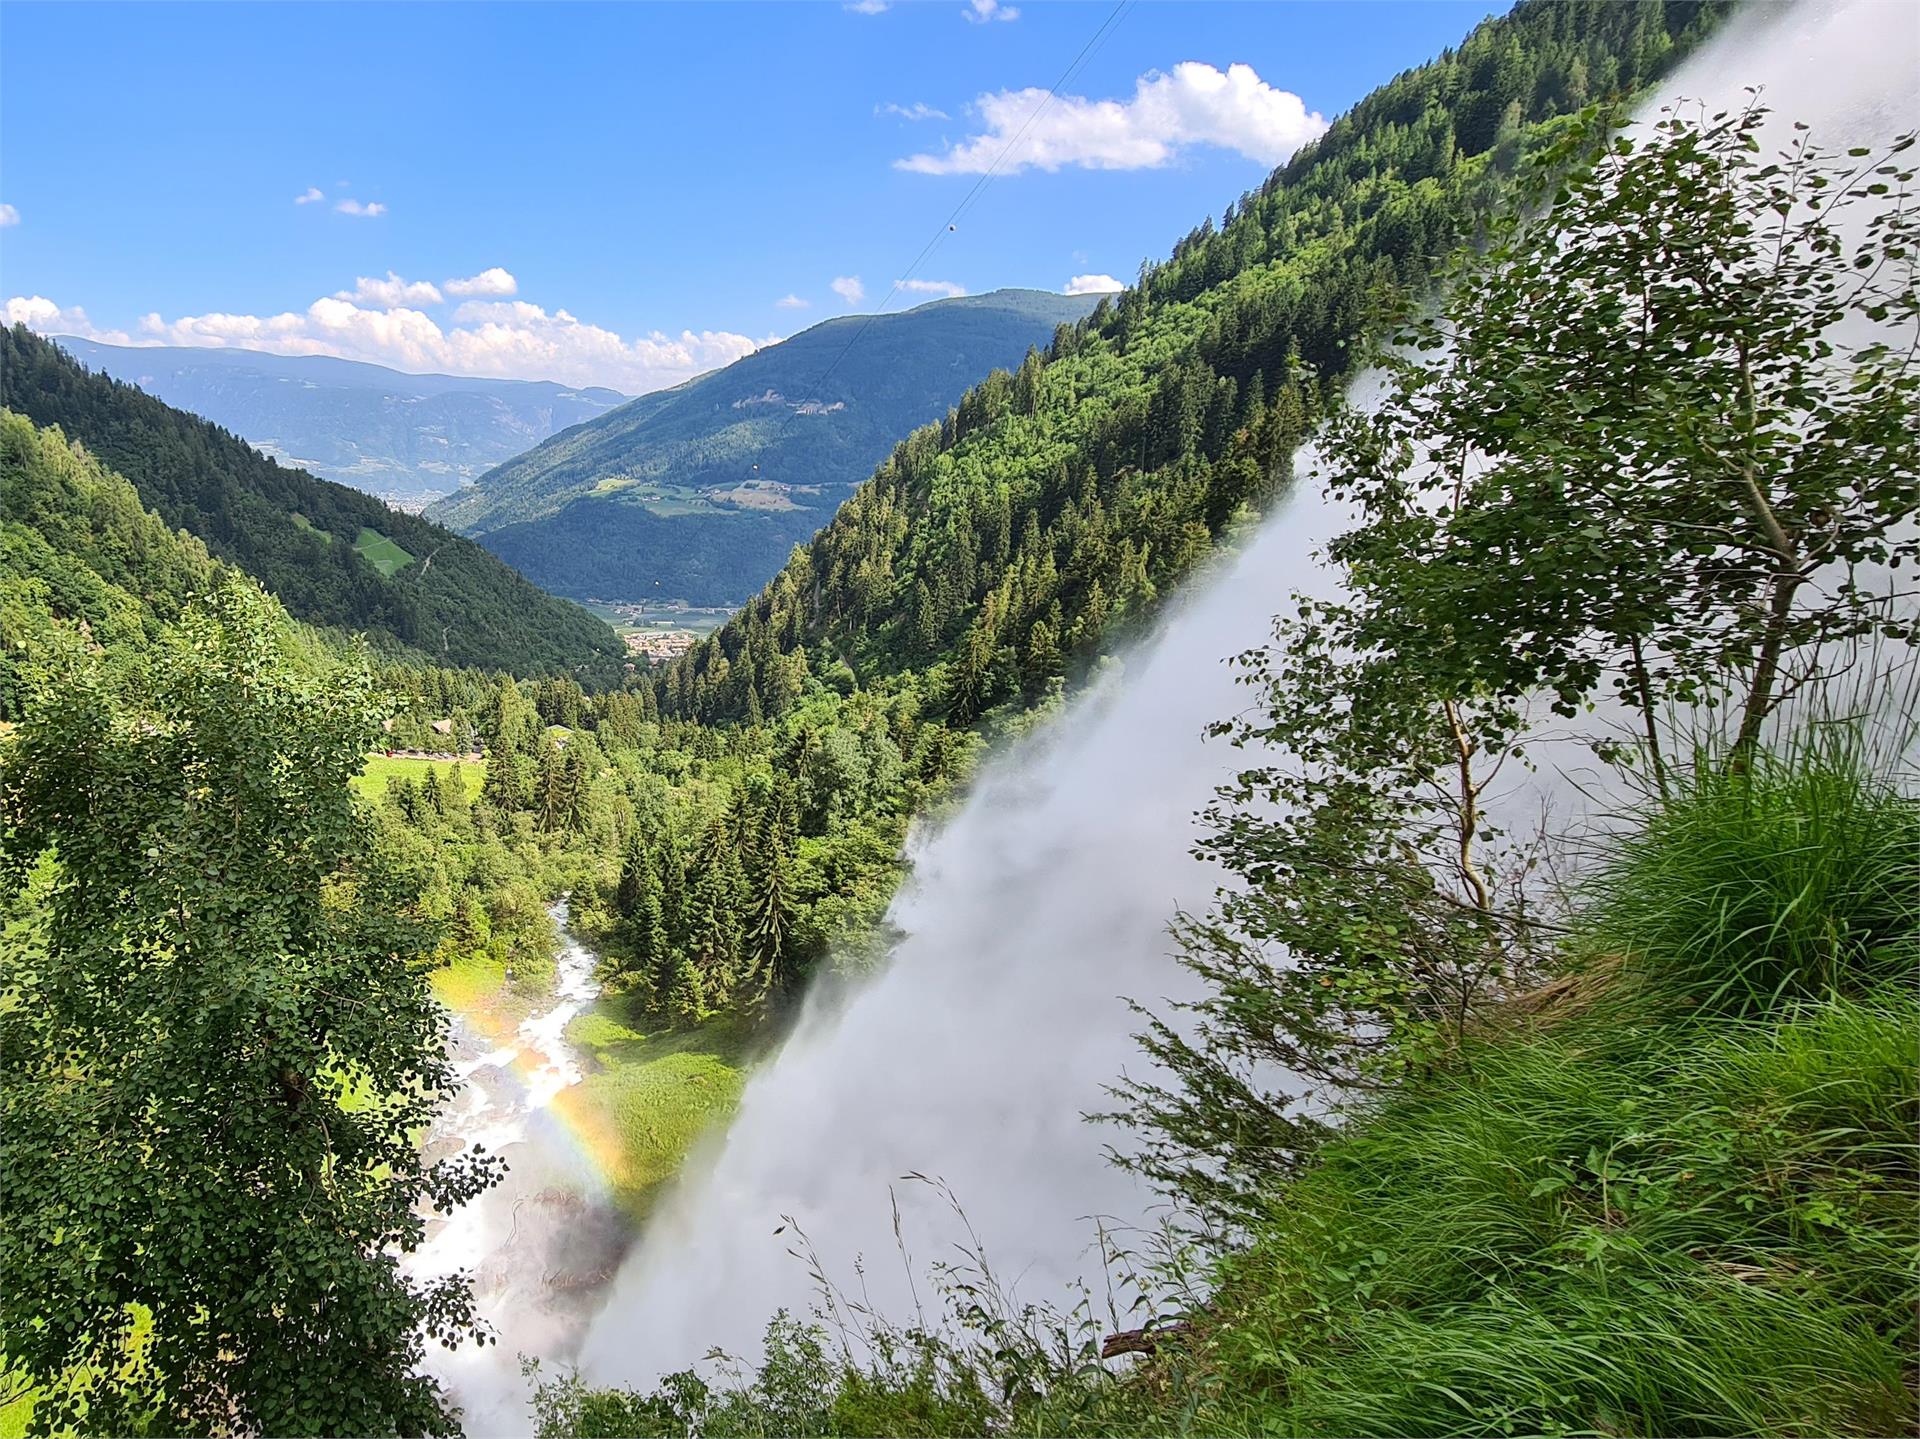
(662, 644)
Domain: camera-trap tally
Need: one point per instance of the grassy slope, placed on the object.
(1676, 1193)
(380, 552)
(1678, 1196)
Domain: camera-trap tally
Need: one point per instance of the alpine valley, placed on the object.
(1320, 843)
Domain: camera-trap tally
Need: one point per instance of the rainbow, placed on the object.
(588, 1130)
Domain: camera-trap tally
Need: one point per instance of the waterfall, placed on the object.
(999, 1019)
(997, 1022)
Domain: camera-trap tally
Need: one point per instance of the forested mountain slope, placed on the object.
(1062, 498)
(701, 491)
(333, 555)
(402, 437)
(79, 550)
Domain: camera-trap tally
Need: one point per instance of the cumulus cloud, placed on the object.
(309, 195)
(866, 7)
(1195, 104)
(1093, 285)
(508, 339)
(792, 302)
(849, 288)
(945, 288)
(493, 281)
(918, 110)
(390, 292)
(354, 207)
(985, 12)
(39, 313)
(8, 216)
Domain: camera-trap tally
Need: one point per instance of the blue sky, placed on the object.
(631, 191)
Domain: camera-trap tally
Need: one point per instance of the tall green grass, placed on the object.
(1663, 1230)
(1793, 875)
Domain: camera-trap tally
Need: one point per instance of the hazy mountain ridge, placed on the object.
(702, 490)
(403, 437)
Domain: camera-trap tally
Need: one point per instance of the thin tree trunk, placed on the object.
(1469, 819)
(1645, 687)
(1787, 580)
(1766, 671)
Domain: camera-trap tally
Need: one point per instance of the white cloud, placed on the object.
(509, 339)
(792, 302)
(390, 292)
(1194, 105)
(39, 313)
(354, 207)
(309, 195)
(918, 110)
(8, 216)
(865, 7)
(945, 288)
(493, 281)
(982, 12)
(1093, 285)
(849, 288)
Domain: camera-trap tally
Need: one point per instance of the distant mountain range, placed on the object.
(406, 438)
(700, 492)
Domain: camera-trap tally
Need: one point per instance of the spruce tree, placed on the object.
(686, 996)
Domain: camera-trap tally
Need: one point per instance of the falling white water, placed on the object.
(540, 1243)
(999, 1018)
(997, 1023)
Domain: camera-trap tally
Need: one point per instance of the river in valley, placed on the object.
(543, 1243)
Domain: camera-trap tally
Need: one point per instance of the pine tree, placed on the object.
(713, 915)
(651, 953)
(770, 918)
(1042, 659)
(575, 785)
(686, 996)
(549, 794)
(636, 879)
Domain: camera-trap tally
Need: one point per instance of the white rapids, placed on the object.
(540, 1244)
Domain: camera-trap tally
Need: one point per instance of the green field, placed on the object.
(382, 553)
(657, 619)
(306, 524)
(657, 1093)
(381, 772)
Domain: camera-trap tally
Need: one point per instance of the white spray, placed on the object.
(999, 1020)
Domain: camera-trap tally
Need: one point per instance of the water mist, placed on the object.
(999, 1019)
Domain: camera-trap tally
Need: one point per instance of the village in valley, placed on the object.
(658, 646)
(659, 630)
